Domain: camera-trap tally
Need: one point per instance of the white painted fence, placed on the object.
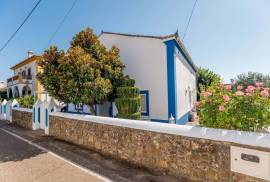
(41, 112)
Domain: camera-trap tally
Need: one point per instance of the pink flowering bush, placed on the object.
(248, 110)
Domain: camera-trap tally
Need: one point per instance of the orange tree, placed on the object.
(87, 73)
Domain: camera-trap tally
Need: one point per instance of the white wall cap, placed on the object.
(240, 137)
(22, 109)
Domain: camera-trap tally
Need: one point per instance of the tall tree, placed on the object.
(87, 73)
(250, 78)
(206, 78)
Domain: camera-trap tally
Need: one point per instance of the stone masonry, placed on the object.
(194, 159)
(22, 118)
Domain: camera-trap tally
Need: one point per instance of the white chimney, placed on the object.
(30, 53)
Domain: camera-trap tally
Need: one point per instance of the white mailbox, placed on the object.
(250, 162)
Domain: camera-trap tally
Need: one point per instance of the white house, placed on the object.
(163, 70)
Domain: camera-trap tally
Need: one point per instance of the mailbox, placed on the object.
(250, 162)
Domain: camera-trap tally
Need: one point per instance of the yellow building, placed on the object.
(24, 81)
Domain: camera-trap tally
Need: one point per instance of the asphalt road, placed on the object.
(23, 162)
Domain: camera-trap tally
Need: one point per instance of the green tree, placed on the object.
(206, 78)
(87, 73)
(251, 78)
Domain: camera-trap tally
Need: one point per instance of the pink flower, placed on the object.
(228, 87)
(226, 98)
(221, 108)
(239, 93)
(264, 93)
(239, 87)
(206, 94)
(197, 104)
(250, 89)
(259, 84)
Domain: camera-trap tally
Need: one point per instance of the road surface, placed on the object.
(23, 162)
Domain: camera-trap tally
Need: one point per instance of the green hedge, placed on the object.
(128, 102)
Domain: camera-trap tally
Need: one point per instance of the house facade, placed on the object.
(24, 82)
(163, 70)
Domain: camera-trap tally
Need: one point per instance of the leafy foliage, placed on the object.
(3, 95)
(206, 78)
(87, 73)
(128, 102)
(247, 110)
(251, 78)
(26, 101)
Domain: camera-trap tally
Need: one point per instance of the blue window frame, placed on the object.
(47, 117)
(144, 102)
(39, 115)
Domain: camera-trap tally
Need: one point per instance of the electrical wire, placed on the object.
(61, 23)
(192, 11)
(17, 30)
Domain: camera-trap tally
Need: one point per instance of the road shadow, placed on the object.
(14, 149)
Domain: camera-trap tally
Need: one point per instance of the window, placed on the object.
(79, 107)
(29, 72)
(144, 102)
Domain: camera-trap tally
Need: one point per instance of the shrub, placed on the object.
(26, 101)
(128, 101)
(247, 110)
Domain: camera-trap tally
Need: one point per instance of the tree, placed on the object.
(87, 73)
(250, 78)
(206, 78)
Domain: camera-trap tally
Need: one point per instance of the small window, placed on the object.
(144, 102)
(79, 107)
(29, 72)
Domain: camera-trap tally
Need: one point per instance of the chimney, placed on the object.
(30, 53)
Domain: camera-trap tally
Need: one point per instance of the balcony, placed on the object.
(19, 79)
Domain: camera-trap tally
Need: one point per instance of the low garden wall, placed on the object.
(22, 117)
(192, 153)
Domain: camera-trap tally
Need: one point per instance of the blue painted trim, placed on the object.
(111, 109)
(5, 109)
(183, 119)
(47, 117)
(1, 108)
(170, 46)
(39, 116)
(160, 120)
(146, 93)
(184, 55)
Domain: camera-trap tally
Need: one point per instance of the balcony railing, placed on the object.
(19, 79)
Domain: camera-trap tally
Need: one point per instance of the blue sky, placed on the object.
(227, 36)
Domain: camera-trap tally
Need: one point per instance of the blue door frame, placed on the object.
(39, 116)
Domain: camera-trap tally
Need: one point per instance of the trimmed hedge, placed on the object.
(128, 102)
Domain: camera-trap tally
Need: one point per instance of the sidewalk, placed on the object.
(107, 167)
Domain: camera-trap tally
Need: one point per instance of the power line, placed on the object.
(192, 11)
(14, 34)
(61, 23)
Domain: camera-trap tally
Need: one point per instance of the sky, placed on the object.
(227, 36)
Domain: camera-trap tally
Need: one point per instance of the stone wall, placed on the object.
(191, 158)
(22, 118)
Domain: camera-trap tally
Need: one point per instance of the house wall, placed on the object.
(145, 60)
(186, 91)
